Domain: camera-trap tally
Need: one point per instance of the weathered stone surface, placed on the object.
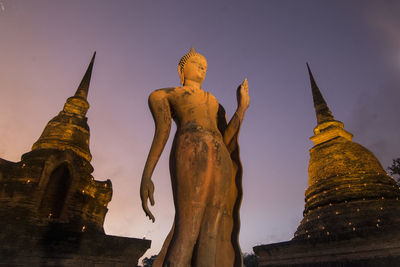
(52, 210)
(352, 209)
(55, 244)
(372, 251)
(205, 170)
(348, 193)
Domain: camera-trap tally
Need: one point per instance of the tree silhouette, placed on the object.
(250, 260)
(148, 262)
(394, 169)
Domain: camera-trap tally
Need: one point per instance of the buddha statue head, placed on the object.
(192, 66)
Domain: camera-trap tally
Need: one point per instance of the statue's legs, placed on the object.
(215, 243)
(204, 195)
(161, 255)
(191, 173)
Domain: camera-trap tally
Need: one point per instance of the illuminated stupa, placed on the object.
(352, 206)
(69, 129)
(52, 209)
(348, 190)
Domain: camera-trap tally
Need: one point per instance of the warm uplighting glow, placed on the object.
(37, 76)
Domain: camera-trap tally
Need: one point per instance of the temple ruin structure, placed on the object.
(352, 206)
(52, 210)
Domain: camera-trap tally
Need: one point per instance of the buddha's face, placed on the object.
(195, 69)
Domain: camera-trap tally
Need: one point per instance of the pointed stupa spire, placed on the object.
(78, 104)
(83, 87)
(321, 108)
(69, 129)
(327, 127)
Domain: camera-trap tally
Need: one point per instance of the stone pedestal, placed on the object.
(376, 250)
(56, 245)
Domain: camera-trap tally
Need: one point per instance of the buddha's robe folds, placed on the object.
(206, 177)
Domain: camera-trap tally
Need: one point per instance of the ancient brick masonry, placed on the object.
(352, 209)
(52, 210)
(349, 192)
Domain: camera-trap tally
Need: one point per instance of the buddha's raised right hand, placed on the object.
(243, 97)
(147, 192)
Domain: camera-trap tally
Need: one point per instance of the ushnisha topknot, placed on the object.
(186, 57)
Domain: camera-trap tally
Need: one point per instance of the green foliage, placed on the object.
(394, 169)
(148, 262)
(250, 260)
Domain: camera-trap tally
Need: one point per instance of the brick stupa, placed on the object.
(52, 210)
(352, 209)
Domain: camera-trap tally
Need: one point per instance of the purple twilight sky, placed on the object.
(353, 48)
